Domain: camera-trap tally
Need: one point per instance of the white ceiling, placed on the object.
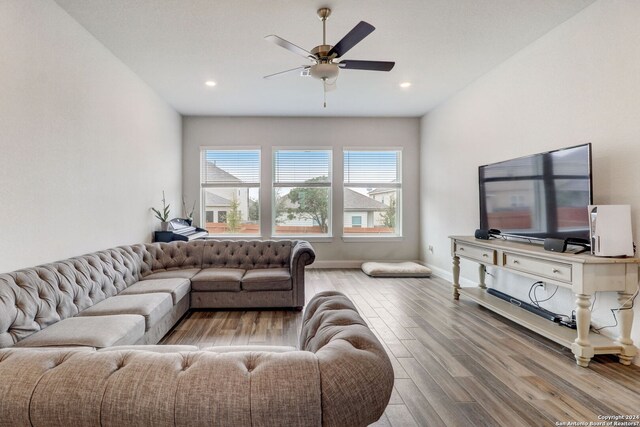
(438, 45)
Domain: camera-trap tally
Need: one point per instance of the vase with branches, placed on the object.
(163, 214)
(188, 215)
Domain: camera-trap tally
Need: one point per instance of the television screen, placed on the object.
(538, 196)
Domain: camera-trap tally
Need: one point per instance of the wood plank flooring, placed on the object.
(455, 363)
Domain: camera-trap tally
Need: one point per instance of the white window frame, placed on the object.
(326, 237)
(203, 207)
(398, 235)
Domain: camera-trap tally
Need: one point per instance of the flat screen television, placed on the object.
(538, 196)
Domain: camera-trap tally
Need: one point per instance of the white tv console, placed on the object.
(583, 274)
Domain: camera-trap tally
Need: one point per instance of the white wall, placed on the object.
(85, 147)
(579, 83)
(335, 133)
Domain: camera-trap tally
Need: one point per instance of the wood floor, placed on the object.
(455, 363)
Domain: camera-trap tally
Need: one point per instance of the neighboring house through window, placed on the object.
(230, 185)
(372, 190)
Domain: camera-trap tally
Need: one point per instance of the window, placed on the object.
(372, 192)
(230, 184)
(302, 192)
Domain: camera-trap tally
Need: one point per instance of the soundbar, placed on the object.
(549, 315)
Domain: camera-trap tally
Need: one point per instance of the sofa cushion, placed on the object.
(178, 288)
(252, 348)
(267, 279)
(217, 279)
(95, 331)
(187, 273)
(152, 306)
(157, 348)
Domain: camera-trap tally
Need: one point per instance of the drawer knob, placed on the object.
(555, 271)
(461, 249)
(485, 255)
(515, 261)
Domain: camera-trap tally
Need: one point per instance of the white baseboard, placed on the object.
(347, 263)
(448, 276)
(336, 264)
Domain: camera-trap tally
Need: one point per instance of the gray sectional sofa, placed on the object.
(76, 342)
(135, 294)
(339, 376)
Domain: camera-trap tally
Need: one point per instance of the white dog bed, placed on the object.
(395, 269)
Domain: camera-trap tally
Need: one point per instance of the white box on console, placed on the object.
(610, 230)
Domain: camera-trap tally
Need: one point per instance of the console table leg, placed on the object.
(482, 271)
(625, 320)
(581, 347)
(456, 277)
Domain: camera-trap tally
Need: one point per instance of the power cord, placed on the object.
(546, 299)
(569, 321)
(621, 307)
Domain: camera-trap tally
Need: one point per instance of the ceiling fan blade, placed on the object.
(350, 64)
(289, 46)
(302, 68)
(353, 37)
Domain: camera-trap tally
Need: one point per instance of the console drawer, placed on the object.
(549, 269)
(484, 255)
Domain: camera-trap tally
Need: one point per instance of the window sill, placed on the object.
(233, 237)
(362, 239)
(317, 239)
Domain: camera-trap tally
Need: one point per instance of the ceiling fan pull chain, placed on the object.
(324, 90)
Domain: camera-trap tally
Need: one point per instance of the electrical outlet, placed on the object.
(430, 249)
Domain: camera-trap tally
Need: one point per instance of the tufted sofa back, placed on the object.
(34, 298)
(247, 255)
(156, 257)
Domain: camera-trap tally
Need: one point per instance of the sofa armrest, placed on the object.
(354, 367)
(302, 254)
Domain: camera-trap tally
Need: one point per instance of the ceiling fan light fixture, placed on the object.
(324, 71)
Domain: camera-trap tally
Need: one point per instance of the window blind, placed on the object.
(230, 168)
(301, 167)
(372, 168)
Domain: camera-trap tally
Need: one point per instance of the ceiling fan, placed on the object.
(324, 57)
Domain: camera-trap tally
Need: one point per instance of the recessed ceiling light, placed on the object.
(210, 83)
(405, 85)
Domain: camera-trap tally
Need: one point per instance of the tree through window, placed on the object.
(302, 192)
